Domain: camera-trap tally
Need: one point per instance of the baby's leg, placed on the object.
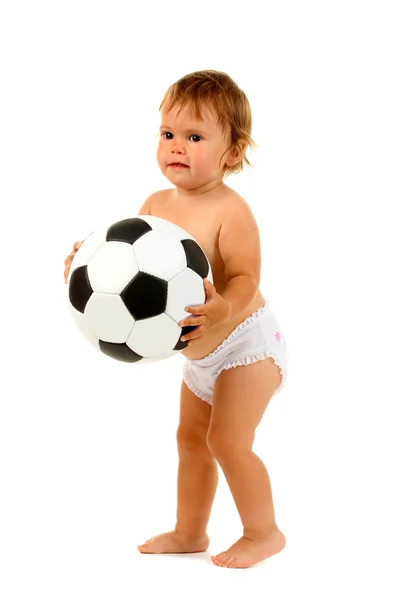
(241, 396)
(196, 483)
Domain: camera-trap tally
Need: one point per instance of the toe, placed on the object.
(144, 546)
(217, 560)
(222, 558)
(233, 564)
(228, 561)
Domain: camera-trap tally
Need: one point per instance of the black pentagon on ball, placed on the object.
(145, 296)
(196, 258)
(127, 230)
(80, 288)
(120, 352)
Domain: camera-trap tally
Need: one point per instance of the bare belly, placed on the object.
(204, 346)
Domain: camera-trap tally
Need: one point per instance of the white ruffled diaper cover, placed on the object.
(257, 338)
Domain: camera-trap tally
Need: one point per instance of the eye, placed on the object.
(167, 135)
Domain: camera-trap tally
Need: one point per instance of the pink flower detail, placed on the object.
(278, 336)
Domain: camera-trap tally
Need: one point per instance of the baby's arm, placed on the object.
(240, 249)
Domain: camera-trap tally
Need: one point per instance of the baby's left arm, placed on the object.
(240, 249)
(239, 246)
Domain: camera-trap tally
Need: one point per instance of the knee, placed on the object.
(191, 439)
(225, 445)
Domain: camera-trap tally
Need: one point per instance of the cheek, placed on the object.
(204, 157)
(159, 152)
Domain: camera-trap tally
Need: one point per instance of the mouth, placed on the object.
(177, 165)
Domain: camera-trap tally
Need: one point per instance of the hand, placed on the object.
(216, 310)
(70, 258)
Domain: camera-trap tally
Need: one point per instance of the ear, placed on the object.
(236, 153)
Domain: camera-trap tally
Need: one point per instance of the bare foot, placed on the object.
(174, 542)
(245, 552)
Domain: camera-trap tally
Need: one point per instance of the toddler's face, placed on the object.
(197, 144)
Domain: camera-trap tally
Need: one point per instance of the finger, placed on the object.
(191, 321)
(196, 333)
(196, 310)
(194, 341)
(193, 333)
(208, 285)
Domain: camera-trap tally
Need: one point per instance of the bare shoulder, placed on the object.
(153, 200)
(236, 208)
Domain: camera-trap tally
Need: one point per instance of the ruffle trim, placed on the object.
(192, 387)
(239, 328)
(249, 360)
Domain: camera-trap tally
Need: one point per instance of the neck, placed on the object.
(207, 189)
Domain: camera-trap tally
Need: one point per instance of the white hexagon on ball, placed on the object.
(108, 318)
(155, 336)
(159, 254)
(186, 289)
(112, 267)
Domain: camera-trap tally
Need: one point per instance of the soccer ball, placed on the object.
(129, 284)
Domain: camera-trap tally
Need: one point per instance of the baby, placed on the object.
(236, 354)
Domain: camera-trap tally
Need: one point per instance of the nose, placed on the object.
(177, 147)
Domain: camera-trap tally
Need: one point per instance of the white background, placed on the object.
(87, 445)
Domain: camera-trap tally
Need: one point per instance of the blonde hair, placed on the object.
(216, 90)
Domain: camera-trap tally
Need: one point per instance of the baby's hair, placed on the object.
(216, 90)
